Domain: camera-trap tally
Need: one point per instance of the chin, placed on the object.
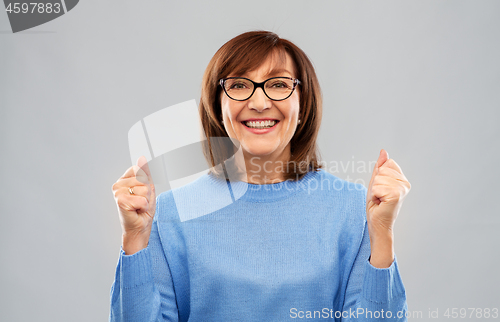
(257, 150)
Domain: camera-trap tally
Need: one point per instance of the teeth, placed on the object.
(260, 125)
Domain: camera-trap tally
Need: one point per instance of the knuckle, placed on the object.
(116, 193)
(115, 186)
(403, 192)
(377, 180)
(144, 203)
(383, 171)
(121, 202)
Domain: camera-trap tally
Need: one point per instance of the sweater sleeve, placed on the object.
(143, 289)
(373, 294)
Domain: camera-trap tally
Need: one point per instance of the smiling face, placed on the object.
(239, 116)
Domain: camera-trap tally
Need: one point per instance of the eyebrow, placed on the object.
(274, 72)
(278, 71)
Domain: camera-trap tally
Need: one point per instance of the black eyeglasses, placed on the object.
(241, 88)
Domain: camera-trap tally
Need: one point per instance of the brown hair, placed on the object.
(244, 53)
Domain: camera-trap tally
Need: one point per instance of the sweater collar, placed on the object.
(250, 192)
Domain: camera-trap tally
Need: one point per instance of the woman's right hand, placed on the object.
(138, 209)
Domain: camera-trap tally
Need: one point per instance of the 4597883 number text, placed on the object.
(34, 7)
(471, 312)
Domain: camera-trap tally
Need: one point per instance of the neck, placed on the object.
(266, 169)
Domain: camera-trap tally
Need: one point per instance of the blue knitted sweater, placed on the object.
(287, 251)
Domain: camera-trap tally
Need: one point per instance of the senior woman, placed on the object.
(295, 242)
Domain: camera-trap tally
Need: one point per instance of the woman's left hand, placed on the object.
(386, 191)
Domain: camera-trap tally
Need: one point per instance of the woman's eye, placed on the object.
(238, 86)
(279, 85)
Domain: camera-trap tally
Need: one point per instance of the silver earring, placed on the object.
(299, 122)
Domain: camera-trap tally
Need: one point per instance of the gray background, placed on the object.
(419, 79)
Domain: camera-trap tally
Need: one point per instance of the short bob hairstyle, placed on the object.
(246, 52)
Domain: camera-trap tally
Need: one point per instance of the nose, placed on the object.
(259, 101)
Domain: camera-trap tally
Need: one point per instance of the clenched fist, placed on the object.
(386, 191)
(136, 200)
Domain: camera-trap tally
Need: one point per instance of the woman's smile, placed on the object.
(260, 126)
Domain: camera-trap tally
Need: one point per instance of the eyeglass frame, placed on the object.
(257, 85)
